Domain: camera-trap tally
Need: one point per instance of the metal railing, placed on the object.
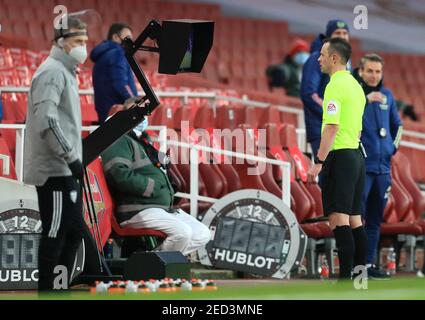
(20, 132)
(186, 95)
(194, 150)
(162, 139)
(414, 134)
(413, 145)
(194, 196)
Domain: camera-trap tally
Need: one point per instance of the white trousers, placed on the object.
(184, 233)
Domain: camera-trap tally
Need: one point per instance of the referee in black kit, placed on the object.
(343, 171)
(53, 151)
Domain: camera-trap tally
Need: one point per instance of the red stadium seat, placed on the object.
(251, 117)
(184, 170)
(229, 117)
(20, 30)
(393, 224)
(402, 165)
(36, 30)
(223, 71)
(9, 77)
(14, 104)
(183, 166)
(5, 58)
(270, 114)
(410, 215)
(178, 179)
(24, 75)
(14, 107)
(185, 114)
(88, 111)
(205, 117)
(249, 173)
(107, 220)
(7, 167)
(9, 136)
(231, 175)
(262, 176)
(85, 79)
(288, 136)
(163, 116)
(18, 57)
(15, 11)
(303, 192)
(215, 181)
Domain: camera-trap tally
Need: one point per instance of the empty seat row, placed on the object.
(223, 117)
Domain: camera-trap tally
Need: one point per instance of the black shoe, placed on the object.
(377, 274)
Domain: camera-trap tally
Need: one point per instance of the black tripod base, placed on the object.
(151, 265)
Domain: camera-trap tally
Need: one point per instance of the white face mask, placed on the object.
(79, 53)
(301, 58)
(141, 126)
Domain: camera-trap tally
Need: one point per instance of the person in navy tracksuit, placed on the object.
(382, 129)
(314, 82)
(113, 80)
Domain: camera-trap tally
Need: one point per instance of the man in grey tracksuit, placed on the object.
(53, 151)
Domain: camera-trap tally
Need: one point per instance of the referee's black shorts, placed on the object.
(343, 177)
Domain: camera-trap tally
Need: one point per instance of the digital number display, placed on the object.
(253, 231)
(250, 237)
(19, 251)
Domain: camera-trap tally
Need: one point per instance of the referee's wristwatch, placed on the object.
(318, 161)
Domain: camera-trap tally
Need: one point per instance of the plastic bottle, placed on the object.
(151, 286)
(178, 283)
(391, 262)
(109, 249)
(157, 284)
(186, 286)
(131, 287)
(101, 287)
(324, 272)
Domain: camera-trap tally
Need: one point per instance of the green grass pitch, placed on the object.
(403, 288)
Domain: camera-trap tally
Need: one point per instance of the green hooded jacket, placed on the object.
(134, 181)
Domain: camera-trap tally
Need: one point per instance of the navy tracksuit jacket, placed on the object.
(378, 117)
(113, 79)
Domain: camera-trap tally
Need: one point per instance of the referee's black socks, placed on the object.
(360, 243)
(345, 244)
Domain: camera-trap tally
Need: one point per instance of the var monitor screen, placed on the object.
(187, 59)
(184, 45)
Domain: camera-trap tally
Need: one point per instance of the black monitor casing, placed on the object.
(173, 42)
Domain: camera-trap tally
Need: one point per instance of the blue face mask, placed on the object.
(301, 58)
(141, 126)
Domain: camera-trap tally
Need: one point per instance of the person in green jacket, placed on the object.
(144, 194)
